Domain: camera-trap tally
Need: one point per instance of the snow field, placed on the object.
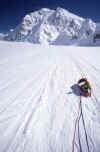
(39, 101)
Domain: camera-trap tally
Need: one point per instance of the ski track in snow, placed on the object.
(39, 101)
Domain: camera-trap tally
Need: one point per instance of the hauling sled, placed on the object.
(84, 87)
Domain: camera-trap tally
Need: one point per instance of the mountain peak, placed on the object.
(53, 27)
(68, 14)
(45, 9)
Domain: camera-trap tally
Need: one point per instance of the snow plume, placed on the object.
(49, 26)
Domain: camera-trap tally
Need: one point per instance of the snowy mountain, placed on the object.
(2, 36)
(39, 100)
(53, 27)
(96, 36)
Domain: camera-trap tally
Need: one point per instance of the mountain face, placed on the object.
(96, 38)
(2, 36)
(54, 27)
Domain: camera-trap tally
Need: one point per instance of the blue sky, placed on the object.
(12, 11)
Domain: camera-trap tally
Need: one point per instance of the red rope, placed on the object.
(73, 143)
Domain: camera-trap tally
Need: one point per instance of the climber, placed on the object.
(84, 87)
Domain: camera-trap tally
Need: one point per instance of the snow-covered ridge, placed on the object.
(53, 27)
(2, 36)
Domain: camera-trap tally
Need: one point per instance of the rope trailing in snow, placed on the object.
(79, 133)
(80, 113)
(85, 130)
(77, 119)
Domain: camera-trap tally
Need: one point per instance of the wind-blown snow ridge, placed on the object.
(56, 27)
(39, 100)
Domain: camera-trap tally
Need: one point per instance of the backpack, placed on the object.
(84, 87)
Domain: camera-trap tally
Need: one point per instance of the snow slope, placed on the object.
(39, 101)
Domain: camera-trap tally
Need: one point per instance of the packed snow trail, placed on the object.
(39, 99)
